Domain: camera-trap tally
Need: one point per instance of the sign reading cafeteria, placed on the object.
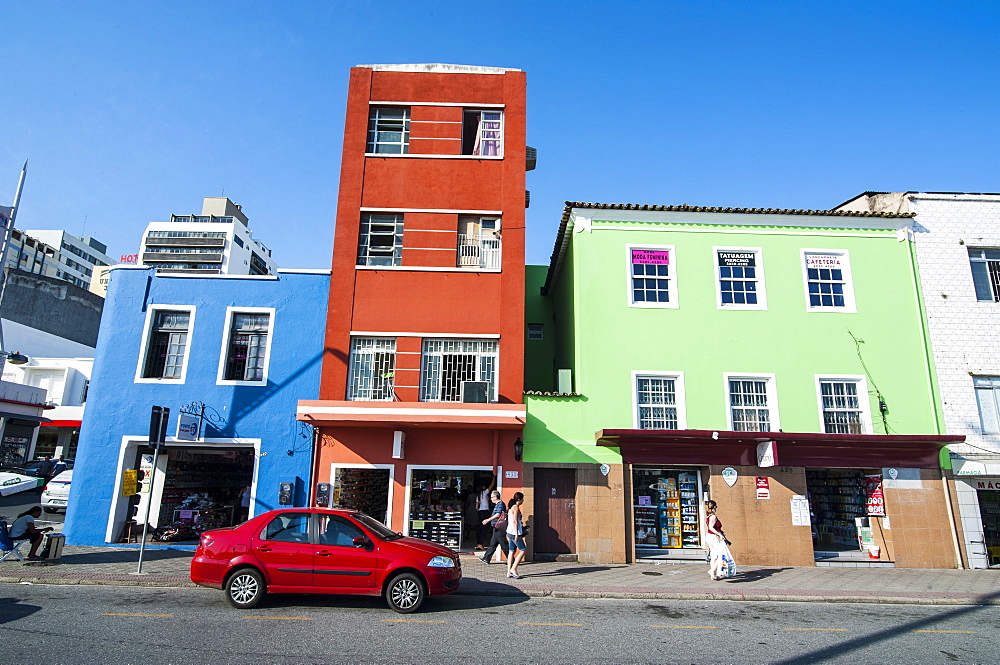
(823, 260)
(651, 256)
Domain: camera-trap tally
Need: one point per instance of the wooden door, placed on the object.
(555, 511)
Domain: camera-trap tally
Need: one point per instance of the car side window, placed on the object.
(339, 531)
(288, 528)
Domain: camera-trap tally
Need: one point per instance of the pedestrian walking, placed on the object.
(515, 535)
(497, 523)
(719, 557)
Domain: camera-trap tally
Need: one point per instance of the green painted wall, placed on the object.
(604, 340)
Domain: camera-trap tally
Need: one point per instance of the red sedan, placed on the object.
(315, 550)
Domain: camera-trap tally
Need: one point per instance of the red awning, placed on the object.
(63, 423)
(846, 451)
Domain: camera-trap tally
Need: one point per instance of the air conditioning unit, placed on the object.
(475, 392)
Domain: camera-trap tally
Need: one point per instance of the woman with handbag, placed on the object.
(515, 535)
(719, 558)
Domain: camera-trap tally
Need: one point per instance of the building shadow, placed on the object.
(14, 609)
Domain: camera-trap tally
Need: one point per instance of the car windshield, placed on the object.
(376, 527)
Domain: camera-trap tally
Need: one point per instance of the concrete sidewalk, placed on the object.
(690, 581)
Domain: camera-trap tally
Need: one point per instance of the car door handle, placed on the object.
(324, 553)
(263, 548)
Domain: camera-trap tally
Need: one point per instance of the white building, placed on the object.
(75, 258)
(218, 241)
(957, 240)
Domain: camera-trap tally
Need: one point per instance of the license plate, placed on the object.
(58, 502)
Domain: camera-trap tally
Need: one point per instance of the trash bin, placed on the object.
(53, 547)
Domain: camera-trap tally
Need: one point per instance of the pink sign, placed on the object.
(873, 495)
(128, 258)
(651, 256)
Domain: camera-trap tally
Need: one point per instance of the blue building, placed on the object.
(237, 353)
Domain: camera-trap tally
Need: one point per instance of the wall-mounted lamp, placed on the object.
(14, 358)
(518, 449)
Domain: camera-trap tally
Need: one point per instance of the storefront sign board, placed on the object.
(988, 485)
(763, 488)
(729, 475)
(873, 495)
(650, 256)
(130, 482)
(187, 427)
(800, 510)
(767, 454)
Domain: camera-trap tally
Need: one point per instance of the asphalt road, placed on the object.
(15, 504)
(124, 625)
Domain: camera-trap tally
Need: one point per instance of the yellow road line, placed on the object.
(703, 627)
(527, 623)
(966, 632)
(411, 621)
(828, 630)
(129, 614)
(280, 618)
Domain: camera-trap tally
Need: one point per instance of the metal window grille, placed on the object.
(167, 345)
(841, 407)
(737, 277)
(650, 282)
(372, 373)
(389, 130)
(381, 241)
(446, 363)
(988, 399)
(657, 400)
(826, 287)
(985, 265)
(480, 250)
(247, 347)
(748, 403)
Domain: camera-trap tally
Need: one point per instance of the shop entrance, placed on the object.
(444, 506)
(362, 489)
(989, 511)
(555, 511)
(665, 510)
(839, 501)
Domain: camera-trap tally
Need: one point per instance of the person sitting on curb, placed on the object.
(23, 528)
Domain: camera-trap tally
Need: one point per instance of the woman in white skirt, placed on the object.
(715, 542)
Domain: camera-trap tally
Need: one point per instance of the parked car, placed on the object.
(55, 496)
(316, 550)
(33, 467)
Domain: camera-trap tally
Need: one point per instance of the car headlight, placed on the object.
(441, 562)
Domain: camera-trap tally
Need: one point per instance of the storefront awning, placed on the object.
(63, 423)
(24, 416)
(412, 414)
(643, 446)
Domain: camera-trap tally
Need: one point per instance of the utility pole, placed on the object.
(7, 231)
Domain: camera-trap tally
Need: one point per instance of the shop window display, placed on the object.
(836, 500)
(443, 505)
(665, 508)
(365, 490)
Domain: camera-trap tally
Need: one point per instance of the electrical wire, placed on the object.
(881, 401)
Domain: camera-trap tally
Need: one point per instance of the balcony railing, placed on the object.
(479, 251)
(174, 257)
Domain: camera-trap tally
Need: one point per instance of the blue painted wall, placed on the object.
(117, 406)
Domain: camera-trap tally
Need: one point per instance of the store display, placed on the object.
(364, 490)
(665, 508)
(440, 499)
(836, 499)
(203, 480)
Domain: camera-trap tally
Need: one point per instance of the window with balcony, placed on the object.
(482, 132)
(372, 372)
(389, 130)
(448, 363)
(479, 242)
(246, 350)
(381, 241)
(167, 345)
(985, 265)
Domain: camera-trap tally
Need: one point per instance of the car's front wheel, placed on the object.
(405, 593)
(245, 588)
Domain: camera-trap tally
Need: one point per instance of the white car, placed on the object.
(56, 493)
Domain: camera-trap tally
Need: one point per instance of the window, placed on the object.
(338, 531)
(381, 242)
(828, 281)
(659, 401)
(751, 403)
(167, 346)
(652, 284)
(447, 363)
(988, 398)
(246, 350)
(986, 273)
(739, 278)
(482, 133)
(844, 405)
(389, 130)
(479, 242)
(288, 528)
(536, 332)
(372, 372)
(238, 240)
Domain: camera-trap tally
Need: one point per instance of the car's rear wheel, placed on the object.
(405, 593)
(245, 588)
(51, 510)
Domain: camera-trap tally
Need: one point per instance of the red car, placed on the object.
(315, 550)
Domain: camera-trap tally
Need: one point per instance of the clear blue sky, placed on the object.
(131, 111)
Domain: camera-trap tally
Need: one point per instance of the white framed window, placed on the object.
(652, 276)
(446, 364)
(479, 242)
(381, 239)
(988, 399)
(985, 264)
(389, 130)
(246, 346)
(753, 402)
(165, 344)
(658, 399)
(828, 282)
(739, 278)
(843, 404)
(482, 132)
(372, 373)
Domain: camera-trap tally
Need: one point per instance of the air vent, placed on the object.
(527, 198)
(475, 392)
(530, 157)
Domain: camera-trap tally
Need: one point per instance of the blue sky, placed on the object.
(131, 111)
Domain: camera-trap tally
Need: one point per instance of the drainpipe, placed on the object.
(314, 472)
(932, 387)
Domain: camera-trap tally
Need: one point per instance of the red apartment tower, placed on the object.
(421, 392)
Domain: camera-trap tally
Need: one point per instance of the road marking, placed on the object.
(528, 623)
(829, 630)
(966, 632)
(129, 614)
(280, 618)
(412, 621)
(701, 627)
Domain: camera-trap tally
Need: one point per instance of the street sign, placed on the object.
(158, 418)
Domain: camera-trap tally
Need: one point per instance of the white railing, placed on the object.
(478, 251)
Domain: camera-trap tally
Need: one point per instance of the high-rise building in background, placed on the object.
(72, 258)
(218, 241)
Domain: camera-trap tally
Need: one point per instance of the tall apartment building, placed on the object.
(421, 391)
(55, 253)
(957, 240)
(218, 241)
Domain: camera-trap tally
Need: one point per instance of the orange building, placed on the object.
(421, 392)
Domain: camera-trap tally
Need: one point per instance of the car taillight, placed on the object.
(205, 540)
